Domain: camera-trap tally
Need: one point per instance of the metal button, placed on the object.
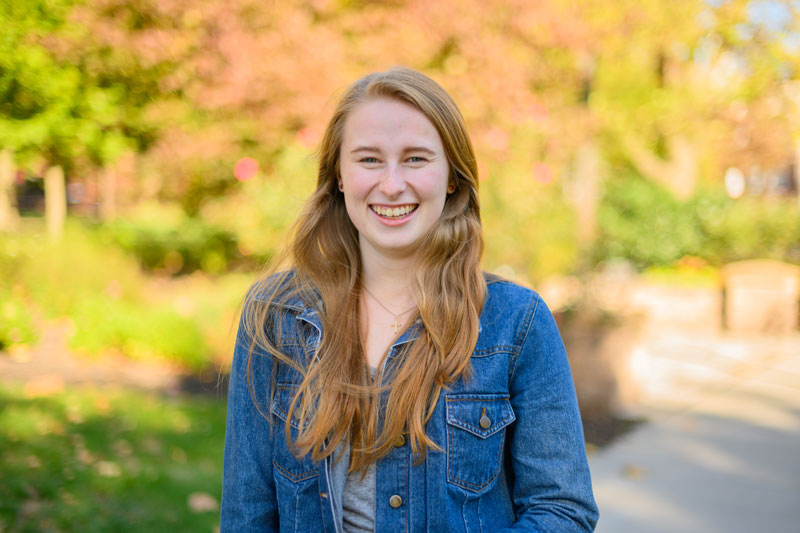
(399, 441)
(395, 501)
(485, 421)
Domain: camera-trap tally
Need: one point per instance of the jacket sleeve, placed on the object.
(551, 484)
(248, 488)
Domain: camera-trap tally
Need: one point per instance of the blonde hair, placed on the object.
(336, 399)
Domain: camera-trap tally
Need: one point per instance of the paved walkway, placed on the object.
(721, 450)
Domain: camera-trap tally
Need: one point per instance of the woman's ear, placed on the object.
(451, 188)
(341, 186)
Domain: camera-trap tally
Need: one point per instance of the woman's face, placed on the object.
(394, 175)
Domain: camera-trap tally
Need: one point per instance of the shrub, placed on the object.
(101, 290)
(644, 223)
(175, 248)
(16, 322)
(139, 333)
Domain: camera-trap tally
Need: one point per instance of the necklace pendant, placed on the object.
(396, 325)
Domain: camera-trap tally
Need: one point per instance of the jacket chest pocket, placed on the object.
(475, 438)
(294, 468)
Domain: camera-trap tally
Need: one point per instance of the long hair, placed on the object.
(337, 400)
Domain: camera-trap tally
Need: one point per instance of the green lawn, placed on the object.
(105, 459)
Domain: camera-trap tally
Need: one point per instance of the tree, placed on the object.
(71, 94)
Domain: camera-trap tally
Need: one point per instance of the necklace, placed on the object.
(396, 324)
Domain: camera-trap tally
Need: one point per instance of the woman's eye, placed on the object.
(416, 159)
(368, 160)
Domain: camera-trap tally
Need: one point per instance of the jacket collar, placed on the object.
(308, 313)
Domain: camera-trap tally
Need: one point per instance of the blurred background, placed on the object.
(638, 163)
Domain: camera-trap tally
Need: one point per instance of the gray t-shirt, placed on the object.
(358, 502)
(358, 493)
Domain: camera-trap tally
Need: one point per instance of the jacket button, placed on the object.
(399, 441)
(395, 501)
(485, 421)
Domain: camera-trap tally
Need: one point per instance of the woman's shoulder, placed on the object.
(507, 293)
(285, 289)
(511, 306)
(508, 311)
(271, 288)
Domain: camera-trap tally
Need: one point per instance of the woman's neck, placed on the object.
(388, 279)
(387, 304)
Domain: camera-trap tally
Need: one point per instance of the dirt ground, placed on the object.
(50, 366)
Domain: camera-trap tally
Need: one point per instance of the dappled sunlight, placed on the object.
(698, 472)
(639, 166)
(683, 371)
(629, 501)
(120, 460)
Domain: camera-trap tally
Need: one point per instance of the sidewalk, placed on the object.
(721, 449)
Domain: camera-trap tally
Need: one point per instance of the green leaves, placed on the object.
(61, 94)
(644, 223)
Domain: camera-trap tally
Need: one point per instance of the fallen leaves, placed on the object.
(202, 502)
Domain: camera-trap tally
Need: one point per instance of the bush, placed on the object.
(16, 323)
(175, 247)
(101, 290)
(102, 324)
(16, 320)
(266, 206)
(644, 223)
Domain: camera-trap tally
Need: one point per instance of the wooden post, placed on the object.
(55, 201)
(9, 216)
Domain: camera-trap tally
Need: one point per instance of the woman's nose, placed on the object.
(392, 182)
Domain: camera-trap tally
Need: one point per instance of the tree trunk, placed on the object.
(55, 201)
(796, 169)
(9, 216)
(678, 173)
(108, 193)
(586, 193)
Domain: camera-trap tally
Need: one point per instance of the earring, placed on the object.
(451, 188)
(341, 186)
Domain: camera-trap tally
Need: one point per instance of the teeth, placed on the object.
(393, 211)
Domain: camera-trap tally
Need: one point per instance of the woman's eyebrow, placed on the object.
(419, 149)
(405, 150)
(364, 149)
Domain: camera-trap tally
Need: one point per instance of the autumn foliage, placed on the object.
(559, 95)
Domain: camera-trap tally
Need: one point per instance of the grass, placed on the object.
(106, 459)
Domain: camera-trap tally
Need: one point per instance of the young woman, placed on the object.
(382, 382)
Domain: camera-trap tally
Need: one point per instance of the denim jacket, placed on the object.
(513, 452)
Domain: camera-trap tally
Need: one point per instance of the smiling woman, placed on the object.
(394, 176)
(383, 382)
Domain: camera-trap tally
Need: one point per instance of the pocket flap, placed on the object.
(483, 415)
(282, 401)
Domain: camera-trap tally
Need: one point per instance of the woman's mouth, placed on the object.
(393, 212)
